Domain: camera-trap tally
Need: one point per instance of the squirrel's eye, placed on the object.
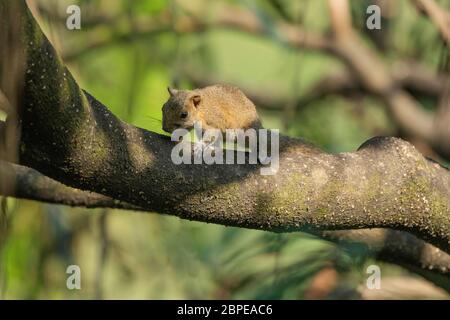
(183, 115)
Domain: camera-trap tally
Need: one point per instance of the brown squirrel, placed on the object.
(218, 106)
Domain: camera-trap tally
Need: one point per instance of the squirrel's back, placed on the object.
(227, 107)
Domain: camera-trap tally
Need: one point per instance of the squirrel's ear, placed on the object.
(196, 100)
(172, 91)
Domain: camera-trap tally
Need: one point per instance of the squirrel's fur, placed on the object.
(215, 107)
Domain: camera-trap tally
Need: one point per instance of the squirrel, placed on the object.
(217, 106)
(220, 107)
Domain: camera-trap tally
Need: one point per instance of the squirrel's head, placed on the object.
(180, 110)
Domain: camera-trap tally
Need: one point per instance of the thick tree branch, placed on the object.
(388, 245)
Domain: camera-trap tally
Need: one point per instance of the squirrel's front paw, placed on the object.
(198, 149)
(202, 146)
(211, 150)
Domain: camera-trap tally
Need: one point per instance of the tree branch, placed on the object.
(439, 16)
(388, 245)
(411, 76)
(340, 18)
(225, 16)
(395, 246)
(26, 183)
(419, 79)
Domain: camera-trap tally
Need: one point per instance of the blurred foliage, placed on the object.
(161, 257)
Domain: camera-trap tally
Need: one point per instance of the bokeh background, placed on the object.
(126, 54)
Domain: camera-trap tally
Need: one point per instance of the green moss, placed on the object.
(429, 206)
